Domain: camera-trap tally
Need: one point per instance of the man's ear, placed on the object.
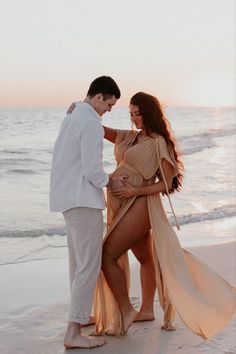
(99, 97)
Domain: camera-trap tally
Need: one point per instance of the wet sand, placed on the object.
(34, 304)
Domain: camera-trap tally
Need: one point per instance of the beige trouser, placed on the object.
(84, 228)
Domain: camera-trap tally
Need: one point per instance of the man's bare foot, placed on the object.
(145, 316)
(91, 322)
(75, 339)
(83, 341)
(169, 327)
(128, 319)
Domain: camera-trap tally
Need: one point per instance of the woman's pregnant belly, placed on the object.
(115, 204)
(134, 178)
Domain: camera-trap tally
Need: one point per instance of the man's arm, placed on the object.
(91, 155)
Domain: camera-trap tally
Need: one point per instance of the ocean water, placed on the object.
(205, 206)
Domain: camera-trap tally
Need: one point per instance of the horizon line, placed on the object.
(118, 106)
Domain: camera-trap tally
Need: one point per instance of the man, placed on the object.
(76, 190)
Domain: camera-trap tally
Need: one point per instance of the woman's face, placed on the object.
(136, 117)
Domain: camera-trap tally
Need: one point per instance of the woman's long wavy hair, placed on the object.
(155, 121)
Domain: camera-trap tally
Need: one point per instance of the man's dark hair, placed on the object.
(104, 85)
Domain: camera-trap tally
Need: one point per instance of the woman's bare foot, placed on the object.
(128, 318)
(75, 339)
(145, 316)
(169, 327)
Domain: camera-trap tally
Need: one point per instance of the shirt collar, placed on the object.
(96, 115)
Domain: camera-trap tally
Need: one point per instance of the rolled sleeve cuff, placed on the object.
(106, 180)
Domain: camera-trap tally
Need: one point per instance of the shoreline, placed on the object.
(34, 305)
(17, 250)
(132, 259)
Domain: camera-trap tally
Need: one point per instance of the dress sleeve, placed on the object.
(165, 152)
(120, 135)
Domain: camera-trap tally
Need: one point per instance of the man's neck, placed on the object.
(88, 100)
(91, 102)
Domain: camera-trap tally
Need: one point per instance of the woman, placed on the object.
(203, 300)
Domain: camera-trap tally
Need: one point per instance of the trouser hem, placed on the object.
(79, 320)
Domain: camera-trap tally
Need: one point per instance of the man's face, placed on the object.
(103, 106)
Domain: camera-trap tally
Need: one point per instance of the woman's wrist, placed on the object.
(137, 191)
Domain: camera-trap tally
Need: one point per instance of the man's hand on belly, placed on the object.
(117, 182)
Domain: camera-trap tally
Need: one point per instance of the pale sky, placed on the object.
(182, 51)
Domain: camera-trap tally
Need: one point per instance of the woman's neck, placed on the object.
(143, 132)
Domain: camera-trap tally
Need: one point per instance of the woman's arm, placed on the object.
(110, 134)
(128, 190)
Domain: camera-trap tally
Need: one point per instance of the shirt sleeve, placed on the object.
(91, 154)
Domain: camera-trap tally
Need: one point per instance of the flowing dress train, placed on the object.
(202, 298)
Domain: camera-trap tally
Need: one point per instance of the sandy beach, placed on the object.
(34, 304)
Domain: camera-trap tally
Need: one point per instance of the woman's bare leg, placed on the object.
(143, 252)
(125, 235)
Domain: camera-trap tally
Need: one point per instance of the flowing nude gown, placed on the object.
(203, 299)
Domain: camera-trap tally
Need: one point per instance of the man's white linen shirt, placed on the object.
(77, 175)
